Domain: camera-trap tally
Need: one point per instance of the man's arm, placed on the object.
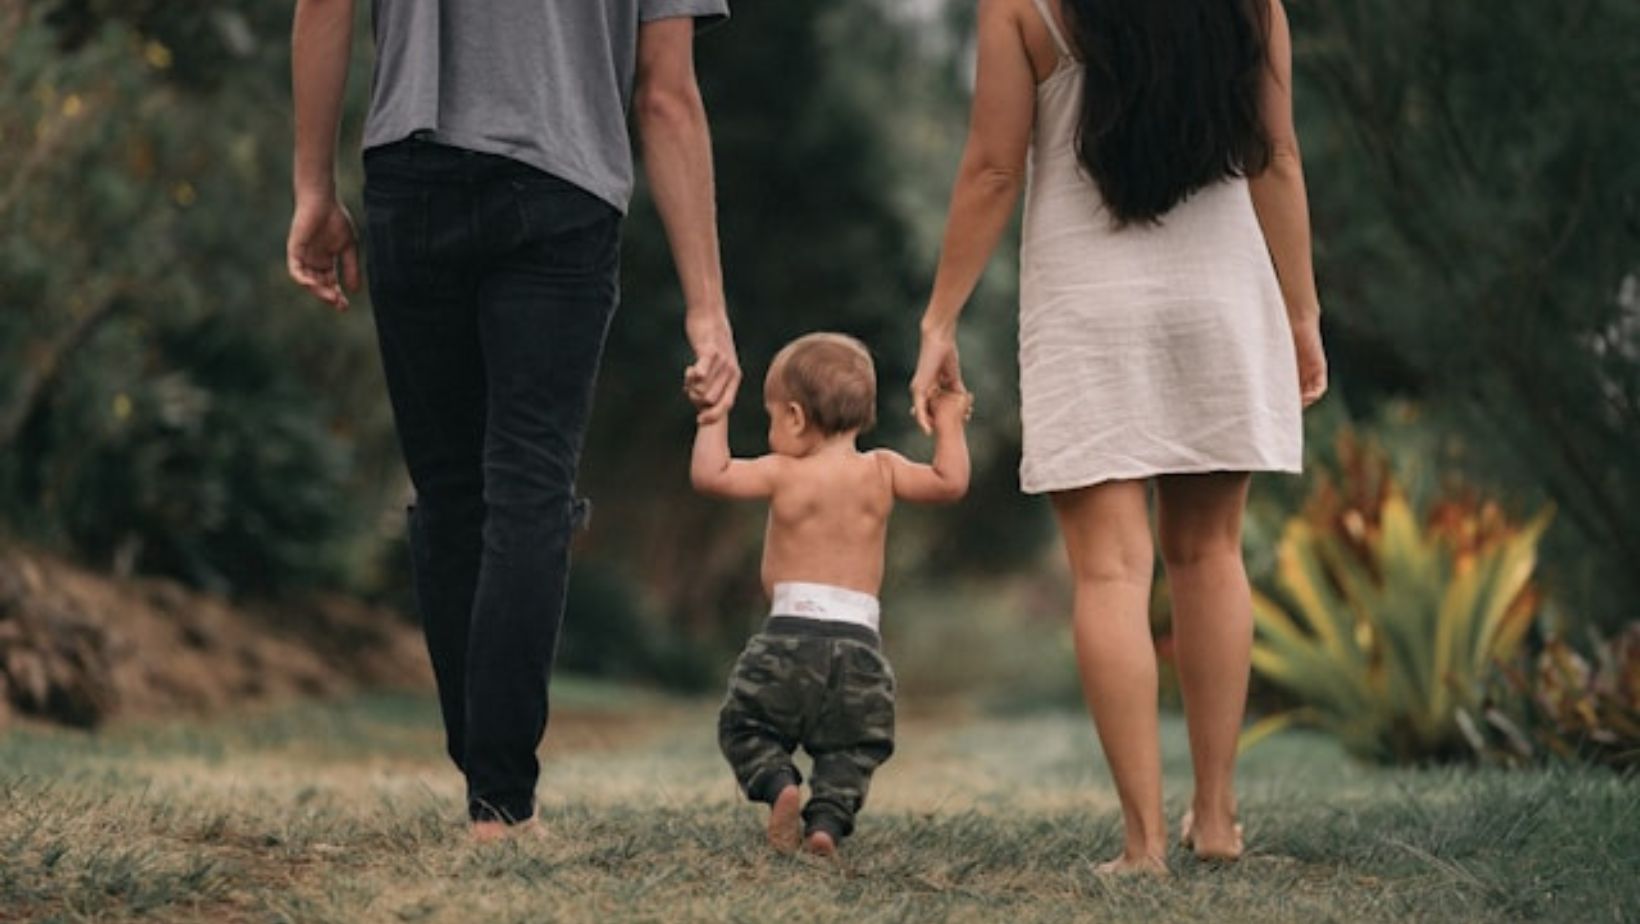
(713, 471)
(677, 150)
(322, 250)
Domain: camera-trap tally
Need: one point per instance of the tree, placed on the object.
(1478, 213)
(166, 404)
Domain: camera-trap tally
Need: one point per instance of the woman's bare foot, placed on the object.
(1125, 865)
(1221, 843)
(786, 821)
(821, 845)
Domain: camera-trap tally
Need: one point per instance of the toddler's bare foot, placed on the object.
(786, 821)
(1141, 865)
(821, 844)
(1217, 843)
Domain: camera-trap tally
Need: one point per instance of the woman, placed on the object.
(1158, 343)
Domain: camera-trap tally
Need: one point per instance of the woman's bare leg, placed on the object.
(1107, 536)
(1199, 527)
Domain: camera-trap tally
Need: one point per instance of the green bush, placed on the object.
(218, 471)
(1561, 705)
(169, 403)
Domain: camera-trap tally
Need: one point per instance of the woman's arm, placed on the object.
(987, 188)
(993, 162)
(1279, 196)
(1282, 204)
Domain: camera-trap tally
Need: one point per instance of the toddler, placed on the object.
(815, 675)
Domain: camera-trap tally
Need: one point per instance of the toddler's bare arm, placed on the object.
(714, 472)
(946, 480)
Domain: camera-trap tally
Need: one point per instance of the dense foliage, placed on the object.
(162, 406)
(1478, 206)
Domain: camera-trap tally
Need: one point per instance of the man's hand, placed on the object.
(713, 380)
(322, 253)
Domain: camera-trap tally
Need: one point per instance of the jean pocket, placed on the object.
(395, 231)
(565, 227)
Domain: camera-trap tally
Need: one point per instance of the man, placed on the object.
(497, 169)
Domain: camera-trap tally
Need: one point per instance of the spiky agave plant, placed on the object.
(1389, 624)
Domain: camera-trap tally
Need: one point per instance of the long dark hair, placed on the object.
(1171, 99)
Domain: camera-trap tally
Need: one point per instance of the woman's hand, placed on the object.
(1312, 359)
(938, 370)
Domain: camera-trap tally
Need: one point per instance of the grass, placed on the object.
(346, 813)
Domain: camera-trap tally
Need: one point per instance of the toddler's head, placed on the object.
(820, 385)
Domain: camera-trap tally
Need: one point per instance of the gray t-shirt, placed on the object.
(546, 82)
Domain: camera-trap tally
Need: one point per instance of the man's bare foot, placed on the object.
(821, 845)
(1221, 843)
(489, 832)
(1125, 865)
(786, 821)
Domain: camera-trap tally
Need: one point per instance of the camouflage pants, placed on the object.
(822, 685)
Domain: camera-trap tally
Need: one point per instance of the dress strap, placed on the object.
(1053, 28)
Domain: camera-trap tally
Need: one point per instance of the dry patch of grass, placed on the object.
(348, 813)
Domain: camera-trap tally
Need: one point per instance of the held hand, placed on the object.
(1312, 360)
(952, 409)
(712, 381)
(322, 252)
(938, 370)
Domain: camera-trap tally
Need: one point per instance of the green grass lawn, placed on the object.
(347, 813)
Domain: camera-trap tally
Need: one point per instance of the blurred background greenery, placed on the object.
(1454, 578)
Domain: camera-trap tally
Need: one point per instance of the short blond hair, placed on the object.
(831, 377)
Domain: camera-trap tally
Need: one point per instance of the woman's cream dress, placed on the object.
(1150, 349)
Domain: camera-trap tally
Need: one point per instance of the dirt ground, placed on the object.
(81, 649)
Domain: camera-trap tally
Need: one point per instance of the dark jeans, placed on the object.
(493, 285)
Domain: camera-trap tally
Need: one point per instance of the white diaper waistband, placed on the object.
(825, 602)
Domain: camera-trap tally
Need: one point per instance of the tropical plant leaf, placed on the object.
(1397, 627)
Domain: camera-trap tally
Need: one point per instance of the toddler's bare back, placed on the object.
(828, 521)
